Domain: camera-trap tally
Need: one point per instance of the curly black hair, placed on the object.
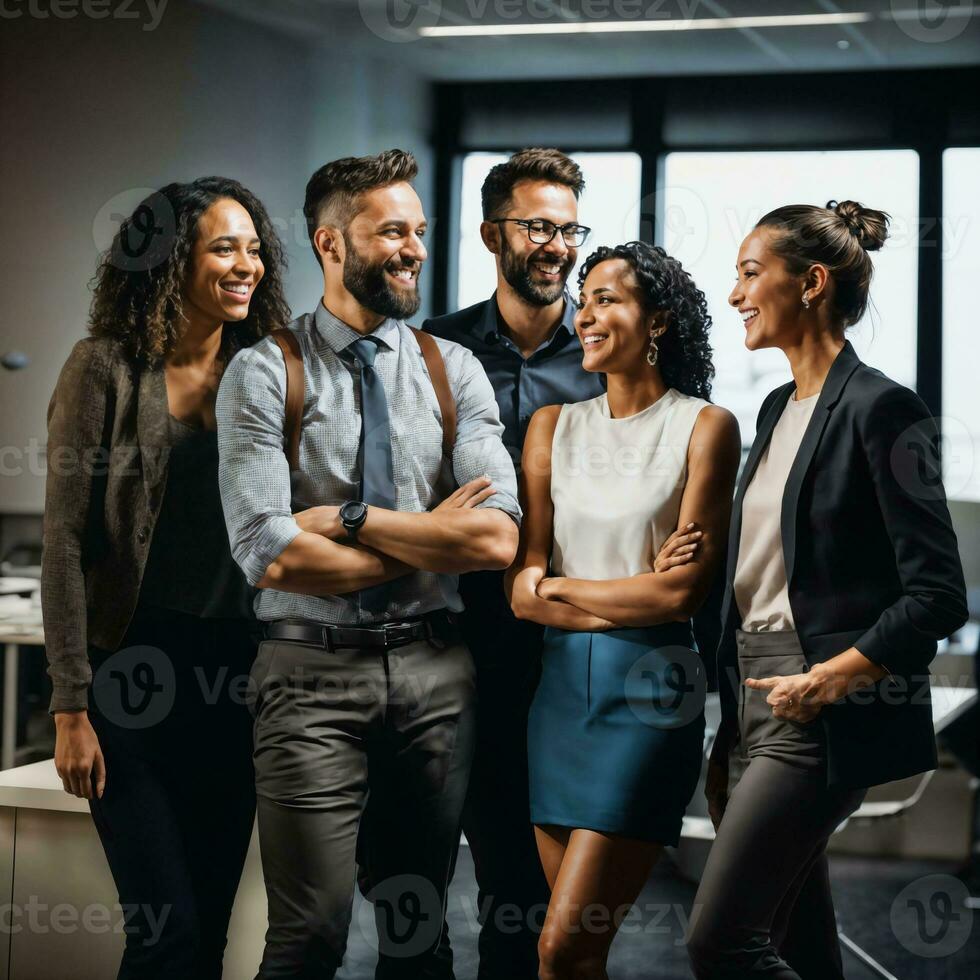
(670, 294)
(138, 284)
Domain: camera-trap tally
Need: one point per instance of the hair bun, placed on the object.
(868, 226)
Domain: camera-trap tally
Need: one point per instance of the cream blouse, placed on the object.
(761, 591)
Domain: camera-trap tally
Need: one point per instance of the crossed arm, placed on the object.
(475, 527)
(454, 537)
(534, 547)
(645, 599)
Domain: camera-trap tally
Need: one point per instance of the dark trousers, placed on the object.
(179, 804)
(513, 892)
(764, 906)
(333, 729)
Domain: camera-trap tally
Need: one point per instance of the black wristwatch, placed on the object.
(352, 515)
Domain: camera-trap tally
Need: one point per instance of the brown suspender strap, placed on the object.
(295, 388)
(440, 382)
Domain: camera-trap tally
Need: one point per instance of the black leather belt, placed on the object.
(439, 626)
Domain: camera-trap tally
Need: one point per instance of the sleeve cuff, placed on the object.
(276, 535)
(869, 647)
(506, 503)
(68, 699)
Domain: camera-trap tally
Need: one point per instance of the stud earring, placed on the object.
(806, 302)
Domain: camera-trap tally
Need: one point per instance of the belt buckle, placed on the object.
(395, 634)
(327, 639)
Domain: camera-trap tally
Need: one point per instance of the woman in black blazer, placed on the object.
(843, 572)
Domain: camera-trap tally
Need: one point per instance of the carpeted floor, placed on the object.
(871, 896)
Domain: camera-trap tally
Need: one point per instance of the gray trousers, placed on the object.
(764, 906)
(330, 729)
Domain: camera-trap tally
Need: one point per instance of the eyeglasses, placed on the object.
(540, 231)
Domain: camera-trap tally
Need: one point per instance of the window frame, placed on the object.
(923, 110)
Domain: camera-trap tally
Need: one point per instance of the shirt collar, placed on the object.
(336, 335)
(487, 324)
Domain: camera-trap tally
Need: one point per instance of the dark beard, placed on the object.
(517, 273)
(369, 286)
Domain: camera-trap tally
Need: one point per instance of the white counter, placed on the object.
(63, 918)
(38, 786)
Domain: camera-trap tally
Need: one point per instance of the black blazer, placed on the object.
(871, 562)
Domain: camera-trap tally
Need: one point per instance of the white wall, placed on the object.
(93, 108)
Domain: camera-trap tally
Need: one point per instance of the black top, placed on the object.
(189, 567)
(871, 562)
(552, 375)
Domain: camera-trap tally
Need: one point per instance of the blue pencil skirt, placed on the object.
(616, 730)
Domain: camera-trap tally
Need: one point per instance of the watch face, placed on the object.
(352, 512)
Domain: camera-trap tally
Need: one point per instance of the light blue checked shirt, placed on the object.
(254, 471)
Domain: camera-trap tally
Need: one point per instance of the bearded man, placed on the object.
(524, 337)
(363, 686)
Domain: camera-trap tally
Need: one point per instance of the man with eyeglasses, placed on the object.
(525, 339)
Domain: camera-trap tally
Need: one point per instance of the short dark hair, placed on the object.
(333, 193)
(533, 163)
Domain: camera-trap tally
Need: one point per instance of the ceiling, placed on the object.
(891, 34)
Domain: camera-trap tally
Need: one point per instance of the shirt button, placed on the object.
(143, 535)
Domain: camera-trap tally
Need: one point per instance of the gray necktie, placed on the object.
(377, 471)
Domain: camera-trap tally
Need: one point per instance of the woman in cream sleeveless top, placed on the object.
(616, 727)
(616, 484)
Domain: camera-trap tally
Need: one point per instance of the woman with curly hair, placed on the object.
(148, 621)
(843, 572)
(616, 726)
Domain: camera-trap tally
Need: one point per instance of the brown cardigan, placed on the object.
(106, 455)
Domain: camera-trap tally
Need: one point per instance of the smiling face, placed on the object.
(537, 273)
(767, 296)
(384, 252)
(611, 321)
(226, 266)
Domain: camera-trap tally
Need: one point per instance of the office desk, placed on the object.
(63, 917)
(20, 625)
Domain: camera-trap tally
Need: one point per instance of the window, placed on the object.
(608, 206)
(961, 273)
(710, 201)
